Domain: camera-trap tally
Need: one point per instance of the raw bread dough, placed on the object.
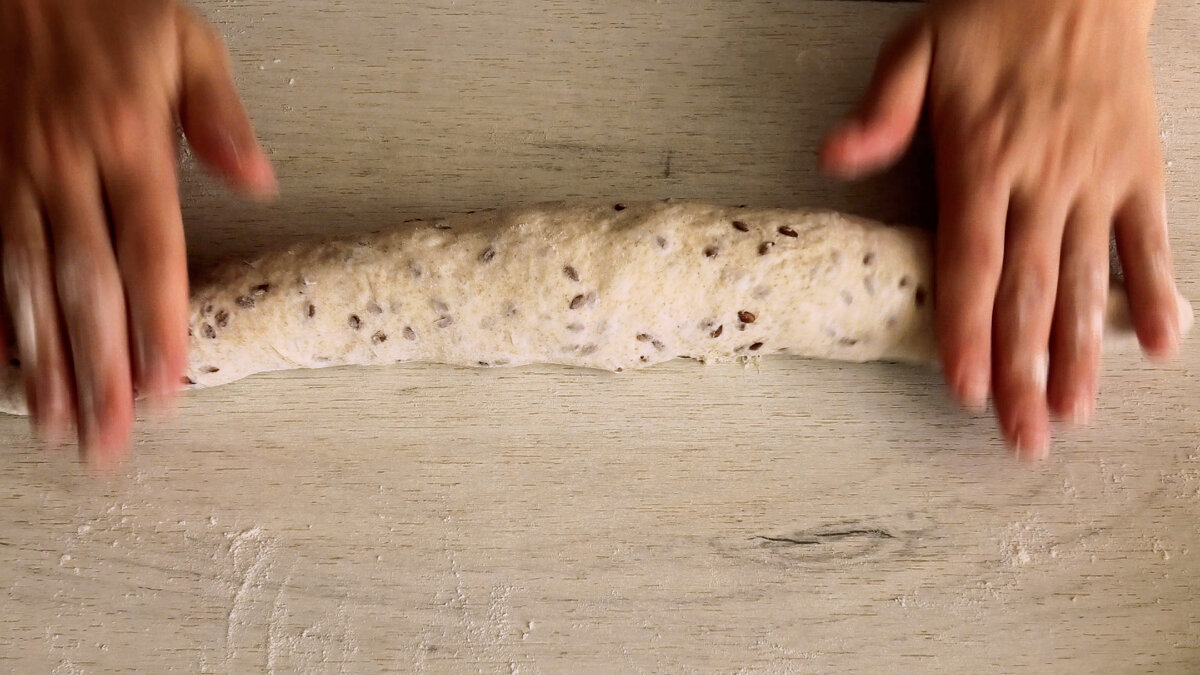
(601, 286)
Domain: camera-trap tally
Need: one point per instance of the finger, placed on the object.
(878, 132)
(1078, 328)
(1141, 232)
(33, 306)
(211, 111)
(93, 306)
(973, 203)
(1021, 324)
(140, 183)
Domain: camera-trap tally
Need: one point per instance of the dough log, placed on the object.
(604, 286)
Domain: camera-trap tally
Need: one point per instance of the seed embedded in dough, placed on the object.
(378, 337)
(787, 231)
(222, 318)
(354, 322)
(244, 301)
(919, 296)
(577, 301)
(740, 226)
(746, 317)
(711, 252)
(764, 247)
(208, 332)
(717, 333)
(312, 311)
(756, 346)
(571, 273)
(410, 334)
(488, 254)
(261, 289)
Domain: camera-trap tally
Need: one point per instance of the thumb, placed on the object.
(211, 112)
(879, 131)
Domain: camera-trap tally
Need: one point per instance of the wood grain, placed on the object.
(796, 517)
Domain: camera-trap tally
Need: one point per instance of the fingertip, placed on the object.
(1081, 411)
(964, 349)
(161, 396)
(1030, 443)
(257, 177)
(837, 150)
(969, 383)
(856, 149)
(52, 419)
(1160, 338)
(106, 424)
(971, 390)
(236, 158)
(1075, 408)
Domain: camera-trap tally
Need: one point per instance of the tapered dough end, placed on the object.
(1187, 316)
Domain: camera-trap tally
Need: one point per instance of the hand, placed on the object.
(94, 266)
(1045, 134)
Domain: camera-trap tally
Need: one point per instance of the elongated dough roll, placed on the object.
(600, 286)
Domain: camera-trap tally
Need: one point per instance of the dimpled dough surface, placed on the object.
(603, 286)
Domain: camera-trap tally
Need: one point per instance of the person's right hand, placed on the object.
(91, 239)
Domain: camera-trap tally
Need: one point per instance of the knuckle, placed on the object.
(84, 283)
(1027, 286)
(125, 131)
(1085, 276)
(986, 137)
(56, 155)
(979, 259)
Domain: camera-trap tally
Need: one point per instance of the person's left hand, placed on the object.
(1045, 137)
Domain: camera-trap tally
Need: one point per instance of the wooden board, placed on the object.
(795, 517)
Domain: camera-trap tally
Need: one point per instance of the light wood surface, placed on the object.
(795, 517)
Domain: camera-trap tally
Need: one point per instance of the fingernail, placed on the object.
(1030, 448)
(973, 391)
(260, 175)
(1030, 451)
(1081, 411)
(52, 425)
(89, 426)
(161, 394)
